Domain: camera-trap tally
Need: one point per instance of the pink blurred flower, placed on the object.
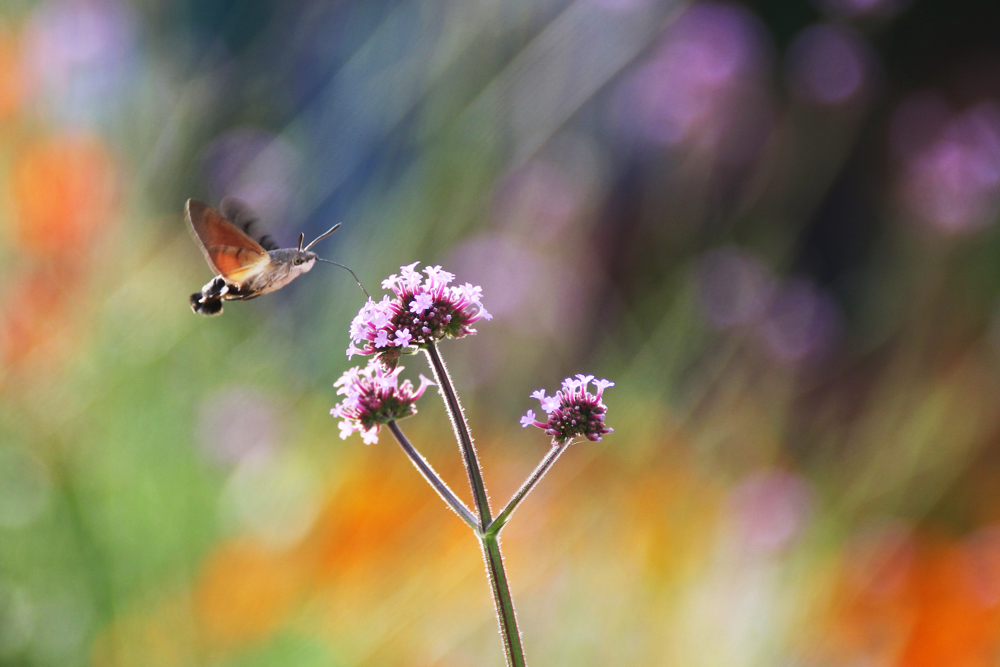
(540, 198)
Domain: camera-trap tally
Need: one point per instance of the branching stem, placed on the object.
(489, 541)
(553, 454)
(433, 478)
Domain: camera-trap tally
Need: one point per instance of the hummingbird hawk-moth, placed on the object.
(244, 267)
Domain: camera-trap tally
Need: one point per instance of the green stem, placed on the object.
(450, 398)
(504, 603)
(497, 525)
(490, 544)
(433, 478)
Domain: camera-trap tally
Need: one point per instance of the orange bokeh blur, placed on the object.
(34, 323)
(244, 593)
(12, 83)
(919, 603)
(63, 192)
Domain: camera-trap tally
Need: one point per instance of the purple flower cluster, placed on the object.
(572, 411)
(373, 396)
(423, 311)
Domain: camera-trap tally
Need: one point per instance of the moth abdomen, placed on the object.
(241, 292)
(205, 306)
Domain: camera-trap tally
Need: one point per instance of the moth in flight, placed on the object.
(244, 267)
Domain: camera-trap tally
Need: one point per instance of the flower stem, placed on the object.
(433, 478)
(504, 603)
(489, 542)
(462, 433)
(497, 524)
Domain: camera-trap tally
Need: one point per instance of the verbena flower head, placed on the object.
(374, 396)
(423, 311)
(573, 411)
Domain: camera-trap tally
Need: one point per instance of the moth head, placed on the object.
(303, 261)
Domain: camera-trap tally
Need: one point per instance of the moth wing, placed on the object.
(227, 249)
(244, 217)
(235, 264)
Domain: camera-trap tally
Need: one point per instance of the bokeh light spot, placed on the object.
(952, 184)
(733, 286)
(259, 167)
(829, 65)
(25, 487)
(275, 500)
(80, 57)
(239, 423)
(801, 322)
(243, 593)
(770, 509)
(64, 191)
(17, 620)
(703, 87)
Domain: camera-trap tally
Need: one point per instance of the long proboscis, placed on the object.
(320, 238)
(349, 271)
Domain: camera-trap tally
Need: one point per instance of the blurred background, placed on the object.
(773, 224)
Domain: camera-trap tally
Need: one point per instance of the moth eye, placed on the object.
(297, 261)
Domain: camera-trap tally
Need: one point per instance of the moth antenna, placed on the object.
(302, 237)
(321, 237)
(348, 270)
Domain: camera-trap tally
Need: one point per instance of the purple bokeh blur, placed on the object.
(705, 86)
(830, 65)
(950, 174)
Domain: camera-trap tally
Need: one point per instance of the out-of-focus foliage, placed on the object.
(772, 224)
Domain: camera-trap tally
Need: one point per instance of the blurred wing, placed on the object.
(240, 214)
(231, 253)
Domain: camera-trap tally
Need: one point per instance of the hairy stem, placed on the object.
(490, 544)
(450, 398)
(497, 525)
(504, 603)
(433, 478)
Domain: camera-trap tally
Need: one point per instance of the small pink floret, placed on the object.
(403, 338)
(550, 404)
